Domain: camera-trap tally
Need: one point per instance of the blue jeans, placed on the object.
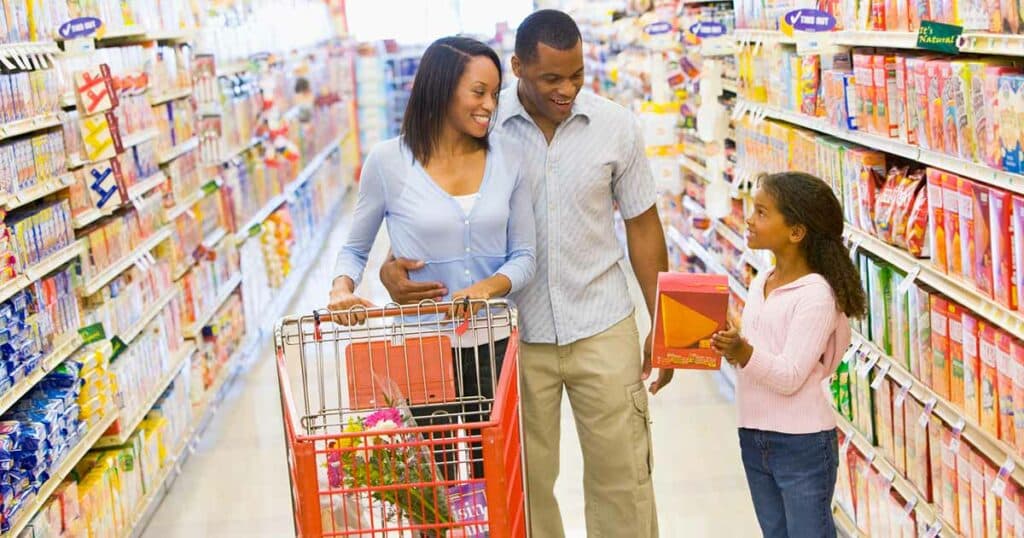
(792, 478)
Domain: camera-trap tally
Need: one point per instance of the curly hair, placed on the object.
(808, 201)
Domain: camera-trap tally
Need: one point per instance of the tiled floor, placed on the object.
(236, 484)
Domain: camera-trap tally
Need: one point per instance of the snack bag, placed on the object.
(885, 204)
(917, 233)
(906, 194)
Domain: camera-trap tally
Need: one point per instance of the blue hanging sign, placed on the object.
(658, 28)
(708, 29)
(810, 20)
(80, 27)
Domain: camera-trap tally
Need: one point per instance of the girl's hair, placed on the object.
(808, 201)
(437, 78)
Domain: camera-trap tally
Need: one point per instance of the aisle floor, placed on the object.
(236, 482)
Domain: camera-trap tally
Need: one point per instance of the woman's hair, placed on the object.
(437, 78)
(809, 202)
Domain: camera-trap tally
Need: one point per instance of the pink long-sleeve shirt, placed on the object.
(799, 336)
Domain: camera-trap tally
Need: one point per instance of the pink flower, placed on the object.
(390, 414)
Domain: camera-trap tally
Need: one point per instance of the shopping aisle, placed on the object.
(236, 483)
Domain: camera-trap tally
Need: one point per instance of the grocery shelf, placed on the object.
(138, 415)
(959, 291)
(995, 450)
(191, 200)
(749, 35)
(927, 514)
(151, 312)
(732, 237)
(980, 172)
(730, 86)
(268, 209)
(58, 475)
(234, 68)
(214, 238)
(28, 125)
(92, 215)
(38, 192)
(21, 55)
(845, 524)
(196, 329)
(133, 31)
(143, 187)
(52, 360)
(55, 260)
(135, 139)
(94, 284)
(693, 166)
(179, 150)
(169, 96)
(235, 152)
(158, 488)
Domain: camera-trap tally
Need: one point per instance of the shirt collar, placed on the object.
(510, 106)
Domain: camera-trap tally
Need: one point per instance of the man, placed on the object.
(577, 323)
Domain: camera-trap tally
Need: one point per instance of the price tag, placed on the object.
(887, 478)
(926, 416)
(880, 376)
(934, 529)
(958, 430)
(901, 396)
(999, 485)
(909, 507)
(845, 447)
(855, 246)
(850, 351)
(867, 365)
(908, 281)
(870, 456)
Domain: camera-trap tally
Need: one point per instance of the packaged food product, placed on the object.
(956, 357)
(967, 213)
(983, 234)
(965, 490)
(917, 101)
(921, 334)
(989, 388)
(1001, 252)
(961, 140)
(951, 484)
(1016, 232)
(951, 224)
(690, 309)
(885, 204)
(1017, 350)
(1009, 102)
(941, 364)
(910, 189)
(936, 220)
(1005, 372)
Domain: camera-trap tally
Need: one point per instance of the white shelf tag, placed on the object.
(904, 286)
(999, 485)
(926, 416)
(876, 384)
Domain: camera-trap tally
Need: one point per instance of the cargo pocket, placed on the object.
(641, 424)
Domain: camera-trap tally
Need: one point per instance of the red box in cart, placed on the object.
(690, 308)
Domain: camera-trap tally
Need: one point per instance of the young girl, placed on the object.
(795, 330)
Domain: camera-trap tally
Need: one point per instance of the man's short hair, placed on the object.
(551, 27)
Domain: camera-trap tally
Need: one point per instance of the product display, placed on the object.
(923, 151)
(133, 172)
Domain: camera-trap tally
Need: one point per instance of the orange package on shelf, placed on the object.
(967, 213)
(972, 366)
(988, 395)
(978, 494)
(1017, 350)
(941, 363)
(1005, 372)
(956, 355)
(1000, 217)
(936, 227)
(983, 255)
(690, 308)
(951, 485)
(951, 223)
(965, 492)
(935, 460)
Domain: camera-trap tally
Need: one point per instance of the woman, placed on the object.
(453, 197)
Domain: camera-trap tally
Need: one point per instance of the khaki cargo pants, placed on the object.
(601, 374)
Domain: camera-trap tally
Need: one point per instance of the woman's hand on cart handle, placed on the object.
(347, 307)
(394, 274)
(664, 374)
(469, 301)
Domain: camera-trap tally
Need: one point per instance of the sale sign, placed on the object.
(98, 138)
(94, 88)
(102, 179)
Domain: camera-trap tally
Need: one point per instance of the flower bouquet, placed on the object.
(378, 459)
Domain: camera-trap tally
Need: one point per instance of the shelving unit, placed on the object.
(29, 125)
(61, 472)
(96, 282)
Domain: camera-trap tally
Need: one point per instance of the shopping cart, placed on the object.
(403, 430)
